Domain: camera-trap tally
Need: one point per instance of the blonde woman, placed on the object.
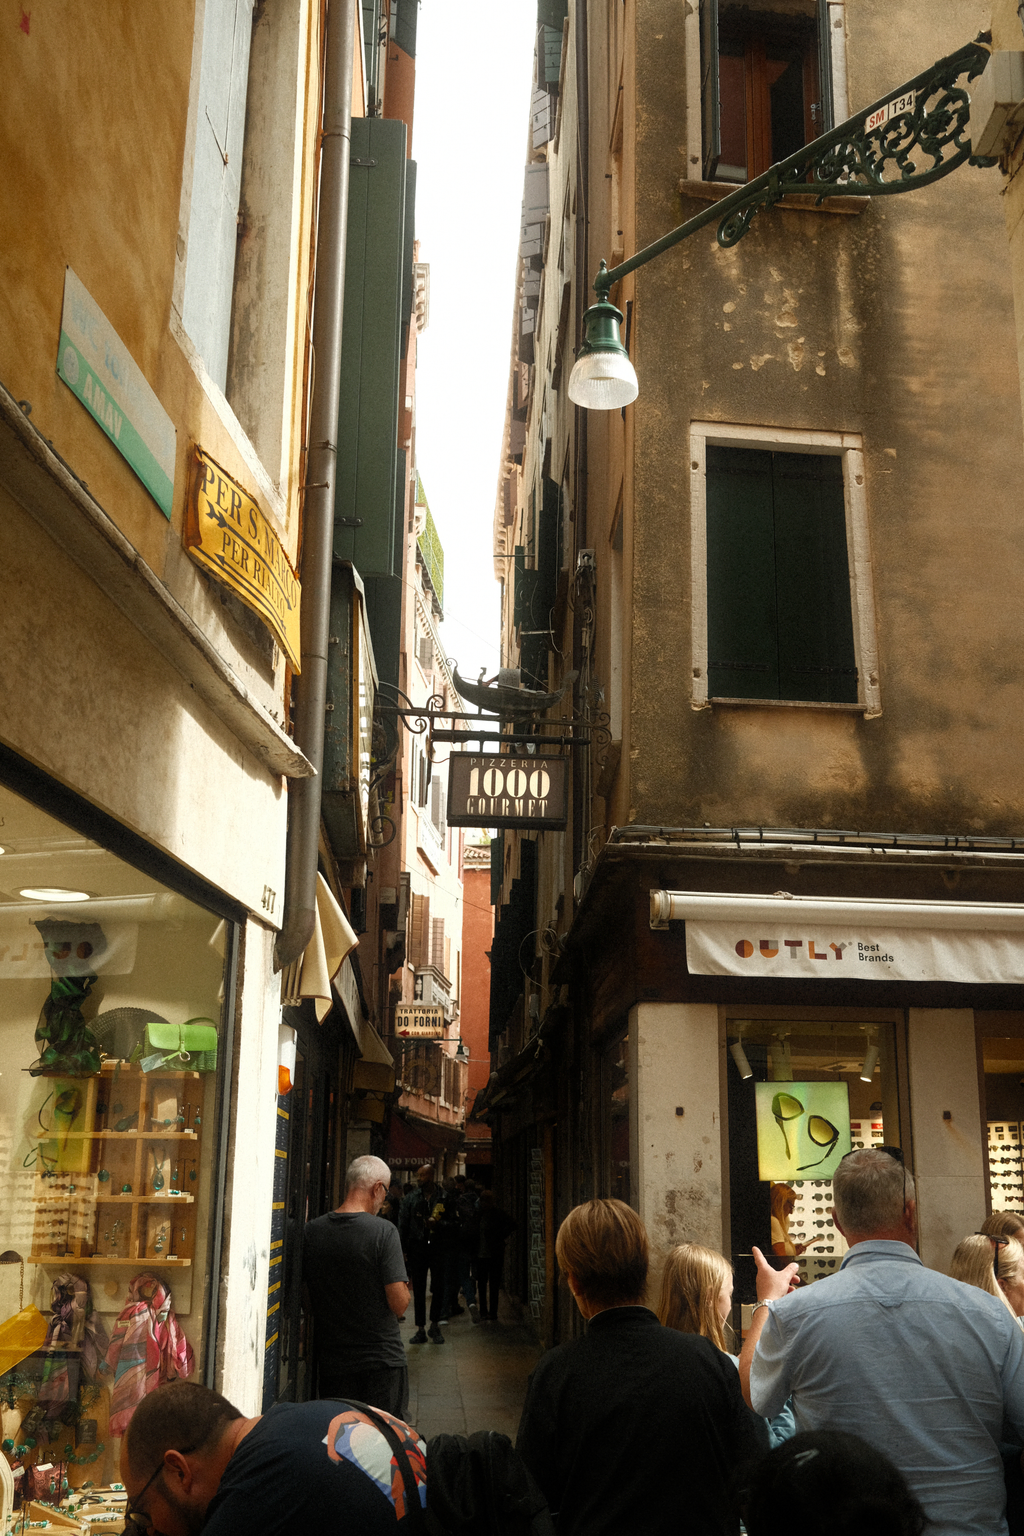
(696, 1297)
(1004, 1224)
(995, 1264)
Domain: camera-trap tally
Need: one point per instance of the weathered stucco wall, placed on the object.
(897, 324)
(94, 124)
(94, 120)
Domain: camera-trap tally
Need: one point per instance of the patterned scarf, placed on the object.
(73, 1322)
(147, 1348)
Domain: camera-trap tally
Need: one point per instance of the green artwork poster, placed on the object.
(803, 1129)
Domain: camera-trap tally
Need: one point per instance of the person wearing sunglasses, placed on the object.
(1004, 1224)
(925, 1369)
(191, 1461)
(993, 1264)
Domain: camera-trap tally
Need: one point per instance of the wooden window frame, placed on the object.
(848, 446)
(827, 61)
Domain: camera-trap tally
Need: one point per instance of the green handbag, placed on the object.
(192, 1046)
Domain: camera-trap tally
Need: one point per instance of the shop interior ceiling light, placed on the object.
(739, 1056)
(52, 893)
(867, 1071)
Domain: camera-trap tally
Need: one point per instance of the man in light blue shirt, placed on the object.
(925, 1368)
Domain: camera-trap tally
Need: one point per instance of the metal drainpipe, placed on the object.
(321, 461)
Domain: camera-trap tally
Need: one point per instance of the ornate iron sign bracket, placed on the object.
(909, 138)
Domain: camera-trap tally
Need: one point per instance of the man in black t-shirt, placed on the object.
(357, 1289)
(191, 1461)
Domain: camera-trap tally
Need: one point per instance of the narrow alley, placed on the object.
(475, 1380)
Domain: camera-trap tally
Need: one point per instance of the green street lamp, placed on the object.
(603, 379)
(870, 155)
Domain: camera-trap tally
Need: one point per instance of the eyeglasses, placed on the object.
(135, 1519)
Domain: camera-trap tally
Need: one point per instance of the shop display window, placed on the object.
(111, 994)
(801, 1095)
(1002, 1059)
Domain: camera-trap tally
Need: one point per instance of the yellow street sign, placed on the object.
(228, 535)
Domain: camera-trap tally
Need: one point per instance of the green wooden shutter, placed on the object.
(497, 867)
(364, 502)
(403, 24)
(518, 571)
(547, 551)
(815, 617)
(409, 252)
(742, 626)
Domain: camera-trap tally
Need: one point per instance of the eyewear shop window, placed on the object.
(111, 990)
(801, 1095)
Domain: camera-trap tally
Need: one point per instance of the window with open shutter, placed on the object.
(419, 930)
(766, 83)
(437, 944)
(780, 622)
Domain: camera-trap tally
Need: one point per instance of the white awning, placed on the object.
(827, 938)
(333, 938)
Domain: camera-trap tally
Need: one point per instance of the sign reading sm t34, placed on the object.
(486, 790)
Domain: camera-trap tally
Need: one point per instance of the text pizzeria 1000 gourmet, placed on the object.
(487, 790)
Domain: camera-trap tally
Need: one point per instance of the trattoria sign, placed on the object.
(228, 535)
(419, 1021)
(486, 790)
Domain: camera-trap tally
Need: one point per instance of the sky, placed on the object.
(474, 68)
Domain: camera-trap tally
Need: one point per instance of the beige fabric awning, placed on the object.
(333, 938)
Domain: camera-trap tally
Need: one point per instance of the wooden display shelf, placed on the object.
(65, 1136)
(133, 1157)
(143, 1199)
(157, 1262)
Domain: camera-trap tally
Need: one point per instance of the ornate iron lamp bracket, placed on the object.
(909, 138)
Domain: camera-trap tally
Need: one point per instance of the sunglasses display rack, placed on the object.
(1005, 1165)
(812, 1223)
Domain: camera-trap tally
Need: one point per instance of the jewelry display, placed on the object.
(115, 1138)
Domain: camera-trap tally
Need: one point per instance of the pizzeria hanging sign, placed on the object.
(488, 790)
(228, 535)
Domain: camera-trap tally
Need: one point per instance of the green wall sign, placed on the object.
(97, 367)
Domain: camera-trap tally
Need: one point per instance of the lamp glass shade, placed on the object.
(603, 381)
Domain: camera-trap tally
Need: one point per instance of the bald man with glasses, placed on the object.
(192, 1462)
(925, 1368)
(357, 1288)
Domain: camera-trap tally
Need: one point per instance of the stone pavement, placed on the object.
(476, 1379)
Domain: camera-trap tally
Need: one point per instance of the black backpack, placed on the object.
(478, 1486)
(481, 1486)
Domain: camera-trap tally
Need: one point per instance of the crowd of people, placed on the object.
(888, 1398)
(456, 1233)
